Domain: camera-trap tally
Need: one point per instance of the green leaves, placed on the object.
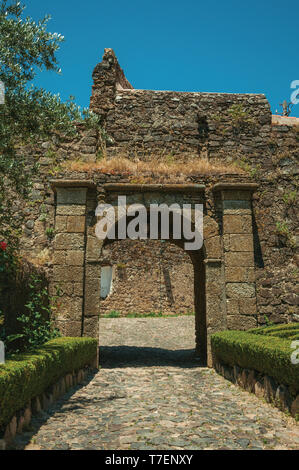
(37, 327)
(29, 375)
(29, 113)
(265, 353)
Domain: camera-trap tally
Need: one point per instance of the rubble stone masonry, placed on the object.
(251, 259)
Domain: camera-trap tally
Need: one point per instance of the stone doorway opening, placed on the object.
(224, 278)
(156, 249)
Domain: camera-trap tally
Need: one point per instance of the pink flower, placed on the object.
(3, 246)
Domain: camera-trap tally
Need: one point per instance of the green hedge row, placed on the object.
(268, 355)
(288, 330)
(29, 375)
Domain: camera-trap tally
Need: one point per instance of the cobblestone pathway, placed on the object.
(151, 393)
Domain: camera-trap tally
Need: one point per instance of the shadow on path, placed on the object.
(134, 356)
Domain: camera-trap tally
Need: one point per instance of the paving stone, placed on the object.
(169, 401)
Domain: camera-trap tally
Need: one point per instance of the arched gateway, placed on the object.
(224, 284)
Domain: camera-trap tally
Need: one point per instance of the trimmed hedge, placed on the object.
(268, 355)
(288, 330)
(30, 374)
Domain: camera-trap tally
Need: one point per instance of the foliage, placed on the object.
(29, 375)
(289, 197)
(36, 326)
(282, 228)
(29, 113)
(267, 354)
(288, 330)
(239, 116)
(8, 261)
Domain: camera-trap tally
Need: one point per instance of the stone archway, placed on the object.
(224, 268)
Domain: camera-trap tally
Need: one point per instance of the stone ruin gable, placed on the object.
(205, 124)
(108, 77)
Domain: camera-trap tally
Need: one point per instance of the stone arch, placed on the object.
(224, 284)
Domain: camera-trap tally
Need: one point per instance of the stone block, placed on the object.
(92, 287)
(237, 224)
(213, 247)
(69, 241)
(65, 288)
(27, 415)
(94, 249)
(283, 398)
(232, 307)
(75, 257)
(241, 242)
(240, 322)
(72, 209)
(71, 196)
(91, 327)
(247, 306)
(61, 386)
(92, 304)
(77, 289)
(239, 274)
(270, 388)
(236, 195)
(11, 430)
(60, 223)
(210, 227)
(69, 308)
(68, 381)
(92, 271)
(239, 259)
(250, 383)
(36, 406)
(237, 207)
(75, 224)
(259, 389)
(65, 274)
(237, 290)
(20, 424)
(69, 328)
(59, 257)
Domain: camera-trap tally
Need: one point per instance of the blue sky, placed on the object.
(215, 46)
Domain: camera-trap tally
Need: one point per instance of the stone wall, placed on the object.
(225, 127)
(263, 386)
(146, 122)
(148, 277)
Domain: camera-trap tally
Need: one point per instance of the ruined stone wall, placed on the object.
(149, 277)
(146, 122)
(193, 124)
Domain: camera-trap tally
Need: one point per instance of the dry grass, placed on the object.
(159, 167)
(38, 259)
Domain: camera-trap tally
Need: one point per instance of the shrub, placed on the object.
(29, 375)
(266, 354)
(288, 330)
(33, 326)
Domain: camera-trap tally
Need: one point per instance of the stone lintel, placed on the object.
(127, 187)
(235, 187)
(62, 183)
